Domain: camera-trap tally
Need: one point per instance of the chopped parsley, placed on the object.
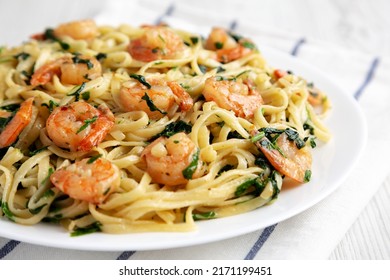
(37, 151)
(10, 107)
(204, 216)
(312, 142)
(37, 210)
(185, 86)
(6, 211)
(48, 193)
(52, 104)
(248, 45)
(77, 60)
(307, 126)
(242, 73)
(227, 167)
(86, 95)
(191, 168)
(49, 35)
(220, 69)
(272, 135)
(220, 78)
(55, 219)
(141, 79)
(95, 227)
(307, 176)
(234, 135)
(161, 38)
(203, 68)
(235, 36)
(77, 92)
(87, 123)
(272, 179)
(93, 158)
(293, 135)
(252, 186)
(151, 105)
(107, 191)
(22, 56)
(46, 179)
(262, 163)
(194, 40)
(242, 188)
(27, 76)
(100, 56)
(218, 45)
(173, 128)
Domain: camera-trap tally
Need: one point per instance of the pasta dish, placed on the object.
(139, 129)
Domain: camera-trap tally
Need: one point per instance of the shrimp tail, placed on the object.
(184, 100)
(17, 124)
(228, 55)
(140, 52)
(45, 73)
(100, 129)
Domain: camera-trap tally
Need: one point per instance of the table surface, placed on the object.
(359, 25)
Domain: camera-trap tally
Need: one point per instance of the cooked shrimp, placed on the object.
(71, 70)
(89, 180)
(79, 126)
(316, 97)
(279, 73)
(173, 161)
(156, 99)
(226, 47)
(157, 42)
(79, 30)
(242, 98)
(17, 124)
(287, 158)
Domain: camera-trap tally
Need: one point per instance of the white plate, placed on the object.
(331, 165)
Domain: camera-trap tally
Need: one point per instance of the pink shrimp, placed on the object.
(78, 30)
(88, 180)
(226, 47)
(242, 98)
(157, 42)
(167, 160)
(72, 71)
(79, 126)
(161, 93)
(287, 159)
(17, 124)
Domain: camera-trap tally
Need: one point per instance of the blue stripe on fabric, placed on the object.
(169, 11)
(125, 255)
(297, 45)
(260, 242)
(7, 248)
(368, 78)
(233, 25)
(268, 230)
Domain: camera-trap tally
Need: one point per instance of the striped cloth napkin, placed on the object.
(314, 233)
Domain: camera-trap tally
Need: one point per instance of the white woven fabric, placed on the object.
(314, 233)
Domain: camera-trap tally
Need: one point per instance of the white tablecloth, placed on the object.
(355, 60)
